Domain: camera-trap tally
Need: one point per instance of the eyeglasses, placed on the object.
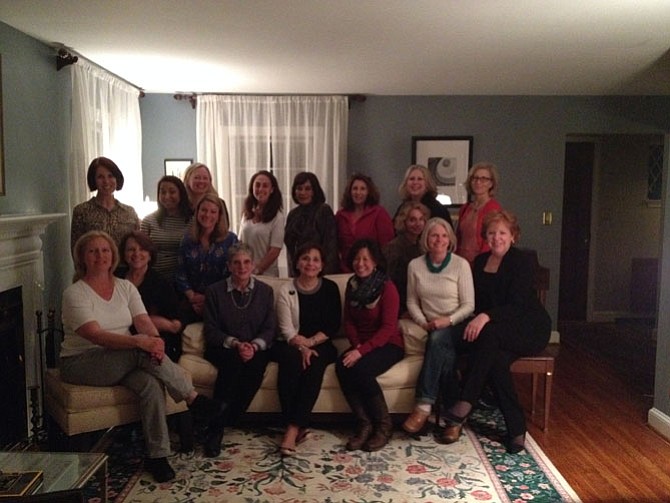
(481, 179)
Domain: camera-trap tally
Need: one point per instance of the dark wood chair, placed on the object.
(542, 364)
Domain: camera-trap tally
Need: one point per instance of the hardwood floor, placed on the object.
(598, 436)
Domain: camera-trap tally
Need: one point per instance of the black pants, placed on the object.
(299, 388)
(491, 355)
(361, 379)
(237, 381)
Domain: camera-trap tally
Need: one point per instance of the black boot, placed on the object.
(213, 439)
(382, 424)
(363, 424)
(214, 436)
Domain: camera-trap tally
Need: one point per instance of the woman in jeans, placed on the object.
(440, 297)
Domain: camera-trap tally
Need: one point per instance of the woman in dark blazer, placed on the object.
(510, 322)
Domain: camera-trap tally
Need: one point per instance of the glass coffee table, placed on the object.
(61, 470)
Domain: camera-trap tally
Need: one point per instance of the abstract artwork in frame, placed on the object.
(448, 158)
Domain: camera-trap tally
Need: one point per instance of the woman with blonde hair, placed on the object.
(198, 182)
(410, 222)
(98, 348)
(203, 254)
(481, 184)
(440, 298)
(418, 186)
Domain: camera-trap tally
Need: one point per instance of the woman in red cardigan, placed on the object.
(361, 216)
(371, 305)
(481, 184)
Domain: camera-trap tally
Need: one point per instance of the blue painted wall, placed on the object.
(168, 132)
(35, 109)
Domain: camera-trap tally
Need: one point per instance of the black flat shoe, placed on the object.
(160, 469)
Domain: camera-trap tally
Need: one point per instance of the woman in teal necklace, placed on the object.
(440, 297)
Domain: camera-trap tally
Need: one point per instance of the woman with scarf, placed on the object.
(376, 344)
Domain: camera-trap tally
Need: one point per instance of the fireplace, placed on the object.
(21, 295)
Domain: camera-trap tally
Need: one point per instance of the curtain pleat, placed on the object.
(239, 135)
(105, 121)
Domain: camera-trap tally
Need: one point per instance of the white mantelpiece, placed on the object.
(22, 264)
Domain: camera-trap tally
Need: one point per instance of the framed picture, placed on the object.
(176, 167)
(448, 158)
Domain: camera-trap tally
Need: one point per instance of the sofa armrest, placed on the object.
(414, 337)
(193, 339)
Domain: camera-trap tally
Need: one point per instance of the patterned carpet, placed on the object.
(250, 469)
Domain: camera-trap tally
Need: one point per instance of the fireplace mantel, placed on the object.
(22, 264)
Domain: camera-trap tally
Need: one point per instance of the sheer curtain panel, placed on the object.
(105, 121)
(239, 135)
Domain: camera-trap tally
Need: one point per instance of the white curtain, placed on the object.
(239, 135)
(105, 122)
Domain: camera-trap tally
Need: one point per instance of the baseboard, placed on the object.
(555, 337)
(660, 422)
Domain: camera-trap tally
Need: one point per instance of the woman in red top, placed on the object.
(481, 184)
(361, 216)
(371, 306)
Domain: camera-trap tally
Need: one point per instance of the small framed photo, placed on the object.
(176, 167)
(448, 158)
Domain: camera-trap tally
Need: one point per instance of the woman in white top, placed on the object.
(440, 297)
(262, 227)
(99, 350)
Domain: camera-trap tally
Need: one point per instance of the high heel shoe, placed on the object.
(452, 430)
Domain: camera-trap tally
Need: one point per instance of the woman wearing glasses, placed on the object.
(481, 185)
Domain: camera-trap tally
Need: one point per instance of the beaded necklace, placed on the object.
(249, 294)
(439, 268)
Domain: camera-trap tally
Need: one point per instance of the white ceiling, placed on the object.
(386, 47)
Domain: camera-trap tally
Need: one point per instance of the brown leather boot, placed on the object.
(363, 424)
(382, 424)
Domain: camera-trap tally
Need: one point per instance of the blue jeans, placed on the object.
(437, 362)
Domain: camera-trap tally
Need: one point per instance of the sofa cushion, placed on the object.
(193, 340)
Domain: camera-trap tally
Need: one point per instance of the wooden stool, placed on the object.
(537, 365)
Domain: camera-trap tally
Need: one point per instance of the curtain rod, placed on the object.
(66, 57)
(192, 98)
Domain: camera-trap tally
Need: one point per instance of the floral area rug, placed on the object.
(251, 469)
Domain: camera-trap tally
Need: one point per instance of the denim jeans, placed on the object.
(439, 360)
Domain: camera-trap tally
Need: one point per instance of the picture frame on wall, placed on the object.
(176, 167)
(448, 158)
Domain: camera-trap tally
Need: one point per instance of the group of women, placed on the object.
(187, 265)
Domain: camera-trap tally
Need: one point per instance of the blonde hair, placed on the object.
(80, 247)
(222, 225)
(430, 225)
(493, 173)
(404, 212)
(431, 186)
(187, 178)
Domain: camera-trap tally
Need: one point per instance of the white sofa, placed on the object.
(398, 382)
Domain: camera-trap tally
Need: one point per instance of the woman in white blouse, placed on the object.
(440, 297)
(262, 226)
